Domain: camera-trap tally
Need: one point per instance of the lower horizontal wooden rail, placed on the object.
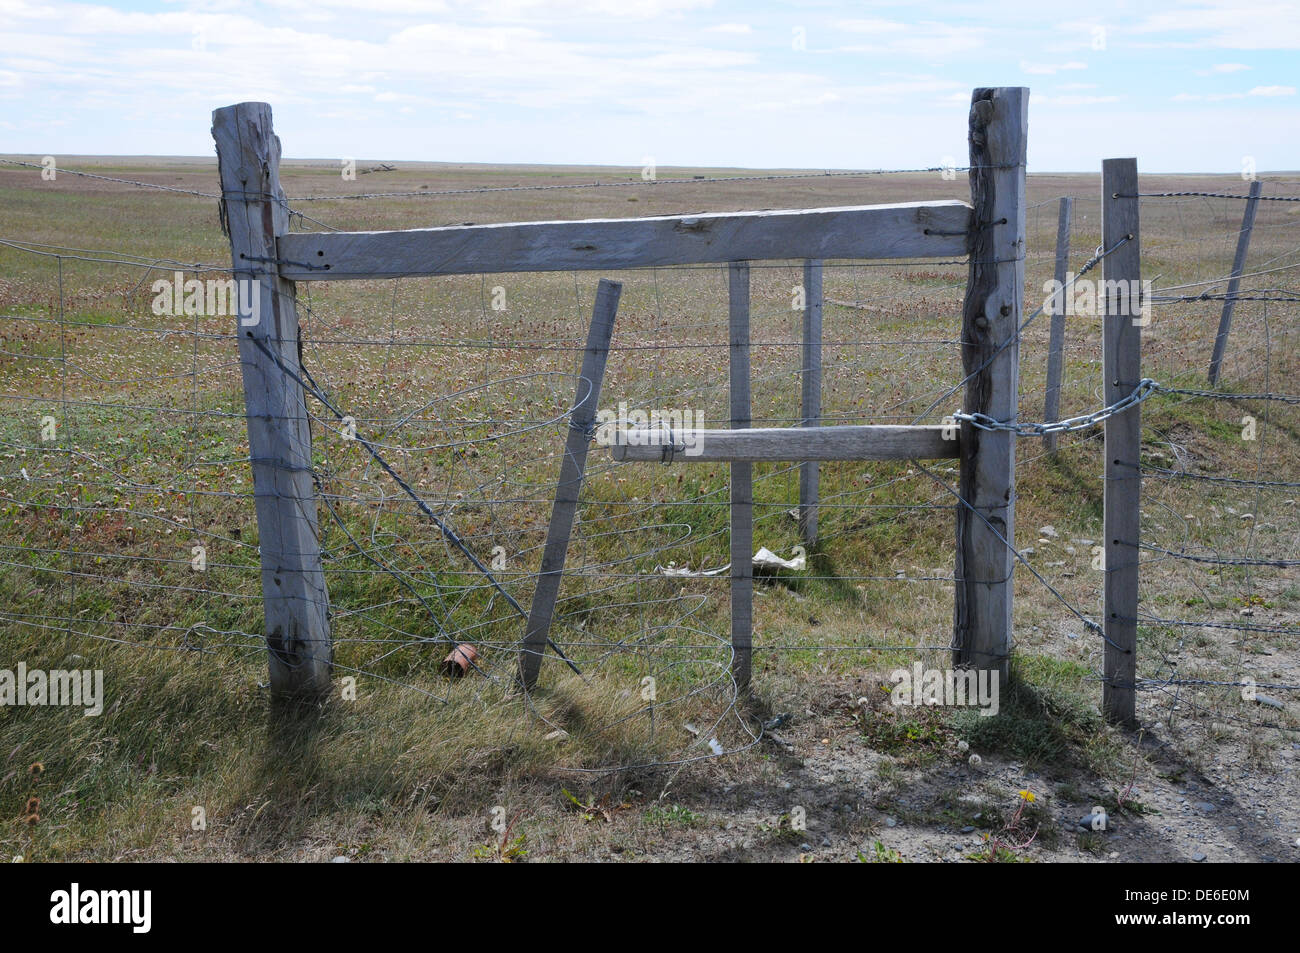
(792, 444)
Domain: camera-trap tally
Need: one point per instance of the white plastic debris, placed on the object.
(766, 559)
(671, 570)
(714, 746)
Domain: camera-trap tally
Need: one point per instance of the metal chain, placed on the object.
(1145, 388)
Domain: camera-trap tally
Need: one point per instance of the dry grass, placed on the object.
(400, 772)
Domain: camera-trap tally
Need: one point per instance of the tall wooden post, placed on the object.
(810, 377)
(1056, 343)
(572, 471)
(991, 359)
(742, 484)
(1122, 367)
(279, 440)
(1234, 282)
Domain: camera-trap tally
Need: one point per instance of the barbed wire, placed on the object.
(402, 592)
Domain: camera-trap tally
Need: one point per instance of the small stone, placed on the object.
(559, 734)
(805, 847)
(966, 830)
(890, 822)
(1206, 806)
(1198, 857)
(340, 859)
(826, 842)
(1049, 531)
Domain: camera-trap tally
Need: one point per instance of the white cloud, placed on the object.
(737, 28)
(1049, 69)
(1042, 100)
(871, 26)
(1223, 24)
(1267, 91)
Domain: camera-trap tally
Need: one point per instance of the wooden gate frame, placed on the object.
(990, 230)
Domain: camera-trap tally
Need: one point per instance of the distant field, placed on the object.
(98, 525)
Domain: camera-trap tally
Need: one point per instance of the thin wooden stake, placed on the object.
(1238, 266)
(279, 440)
(742, 486)
(1122, 367)
(572, 468)
(811, 397)
(1056, 344)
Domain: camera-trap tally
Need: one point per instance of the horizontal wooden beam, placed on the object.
(907, 230)
(792, 444)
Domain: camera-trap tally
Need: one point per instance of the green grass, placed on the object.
(403, 772)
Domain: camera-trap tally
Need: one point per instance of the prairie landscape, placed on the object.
(464, 385)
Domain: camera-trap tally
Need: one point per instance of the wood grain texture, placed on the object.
(1122, 369)
(572, 469)
(790, 444)
(909, 230)
(1056, 340)
(991, 359)
(810, 380)
(742, 483)
(1234, 282)
(293, 583)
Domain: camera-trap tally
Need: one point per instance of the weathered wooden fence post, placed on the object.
(1122, 367)
(572, 470)
(991, 359)
(1056, 343)
(1238, 266)
(279, 439)
(742, 484)
(811, 399)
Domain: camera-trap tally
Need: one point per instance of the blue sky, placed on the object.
(1185, 86)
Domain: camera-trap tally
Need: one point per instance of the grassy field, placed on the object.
(149, 460)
